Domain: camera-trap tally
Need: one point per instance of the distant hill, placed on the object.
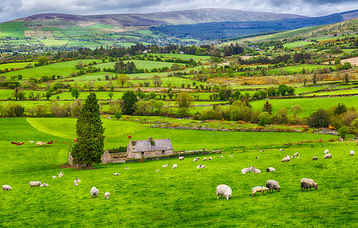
(155, 19)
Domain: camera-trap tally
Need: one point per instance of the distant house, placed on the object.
(149, 148)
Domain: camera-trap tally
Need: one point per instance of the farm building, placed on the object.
(149, 148)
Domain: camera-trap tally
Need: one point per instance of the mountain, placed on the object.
(156, 19)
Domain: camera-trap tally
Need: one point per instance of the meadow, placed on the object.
(142, 197)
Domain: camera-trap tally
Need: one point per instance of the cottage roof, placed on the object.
(145, 145)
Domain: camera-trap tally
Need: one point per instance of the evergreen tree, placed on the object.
(267, 108)
(90, 138)
(129, 98)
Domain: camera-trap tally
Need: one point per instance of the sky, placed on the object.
(13, 9)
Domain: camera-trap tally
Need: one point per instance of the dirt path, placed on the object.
(353, 61)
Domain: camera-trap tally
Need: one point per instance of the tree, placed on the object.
(314, 79)
(157, 81)
(129, 98)
(184, 100)
(282, 89)
(110, 95)
(122, 79)
(75, 93)
(42, 61)
(353, 128)
(343, 131)
(79, 65)
(296, 109)
(48, 95)
(90, 138)
(318, 119)
(267, 107)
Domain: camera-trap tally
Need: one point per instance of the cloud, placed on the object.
(13, 9)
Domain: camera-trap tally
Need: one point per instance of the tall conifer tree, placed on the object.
(90, 138)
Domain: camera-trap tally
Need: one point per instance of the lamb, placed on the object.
(245, 170)
(165, 165)
(259, 189)
(35, 184)
(94, 192)
(210, 158)
(31, 141)
(351, 152)
(286, 159)
(44, 185)
(327, 156)
(204, 159)
(54, 177)
(281, 149)
(200, 167)
(60, 175)
(194, 160)
(257, 157)
(314, 158)
(271, 185)
(106, 195)
(6, 187)
(262, 150)
(157, 170)
(181, 158)
(326, 151)
(116, 174)
(270, 169)
(174, 166)
(223, 190)
(77, 181)
(256, 171)
(308, 183)
(127, 167)
(221, 156)
(296, 154)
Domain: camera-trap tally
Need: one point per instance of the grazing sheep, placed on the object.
(116, 174)
(210, 158)
(194, 160)
(297, 154)
(127, 167)
(351, 152)
(223, 190)
(157, 170)
(174, 166)
(181, 158)
(281, 149)
(31, 141)
(257, 157)
(44, 185)
(326, 151)
(6, 187)
(270, 169)
(259, 189)
(231, 156)
(106, 195)
(165, 165)
(75, 184)
(35, 184)
(256, 171)
(203, 166)
(200, 167)
(271, 185)
(262, 150)
(308, 183)
(204, 159)
(39, 143)
(286, 159)
(314, 158)
(245, 170)
(94, 192)
(327, 156)
(197, 158)
(60, 175)
(54, 177)
(221, 156)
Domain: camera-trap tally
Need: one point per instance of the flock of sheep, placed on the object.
(221, 190)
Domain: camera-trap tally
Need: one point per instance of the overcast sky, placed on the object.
(13, 9)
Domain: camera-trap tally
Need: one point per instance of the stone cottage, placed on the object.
(149, 148)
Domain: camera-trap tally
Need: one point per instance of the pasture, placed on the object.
(183, 197)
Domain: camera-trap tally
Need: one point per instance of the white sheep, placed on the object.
(326, 151)
(286, 159)
(94, 192)
(77, 181)
(259, 189)
(60, 175)
(106, 195)
(194, 160)
(308, 183)
(6, 187)
(31, 141)
(127, 167)
(181, 158)
(44, 185)
(223, 190)
(35, 184)
(54, 177)
(165, 165)
(204, 159)
(221, 156)
(270, 169)
(262, 150)
(351, 152)
(327, 156)
(116, 174)
(256, 171)
(245, 170)
(231, 155)
(174, 166)
(210, 158)
(200, 167)
(157, 170)
(281, 149)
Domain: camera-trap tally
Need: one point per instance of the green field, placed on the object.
(297, 43)
(142, 197)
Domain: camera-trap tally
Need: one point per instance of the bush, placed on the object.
(118, 115)
(318, 119)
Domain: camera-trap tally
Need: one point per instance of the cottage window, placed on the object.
(142, 153)
(163, 151)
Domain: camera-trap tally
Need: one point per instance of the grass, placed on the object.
(184, 197)
(14, 65)
(140, 64)
(297, 43)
